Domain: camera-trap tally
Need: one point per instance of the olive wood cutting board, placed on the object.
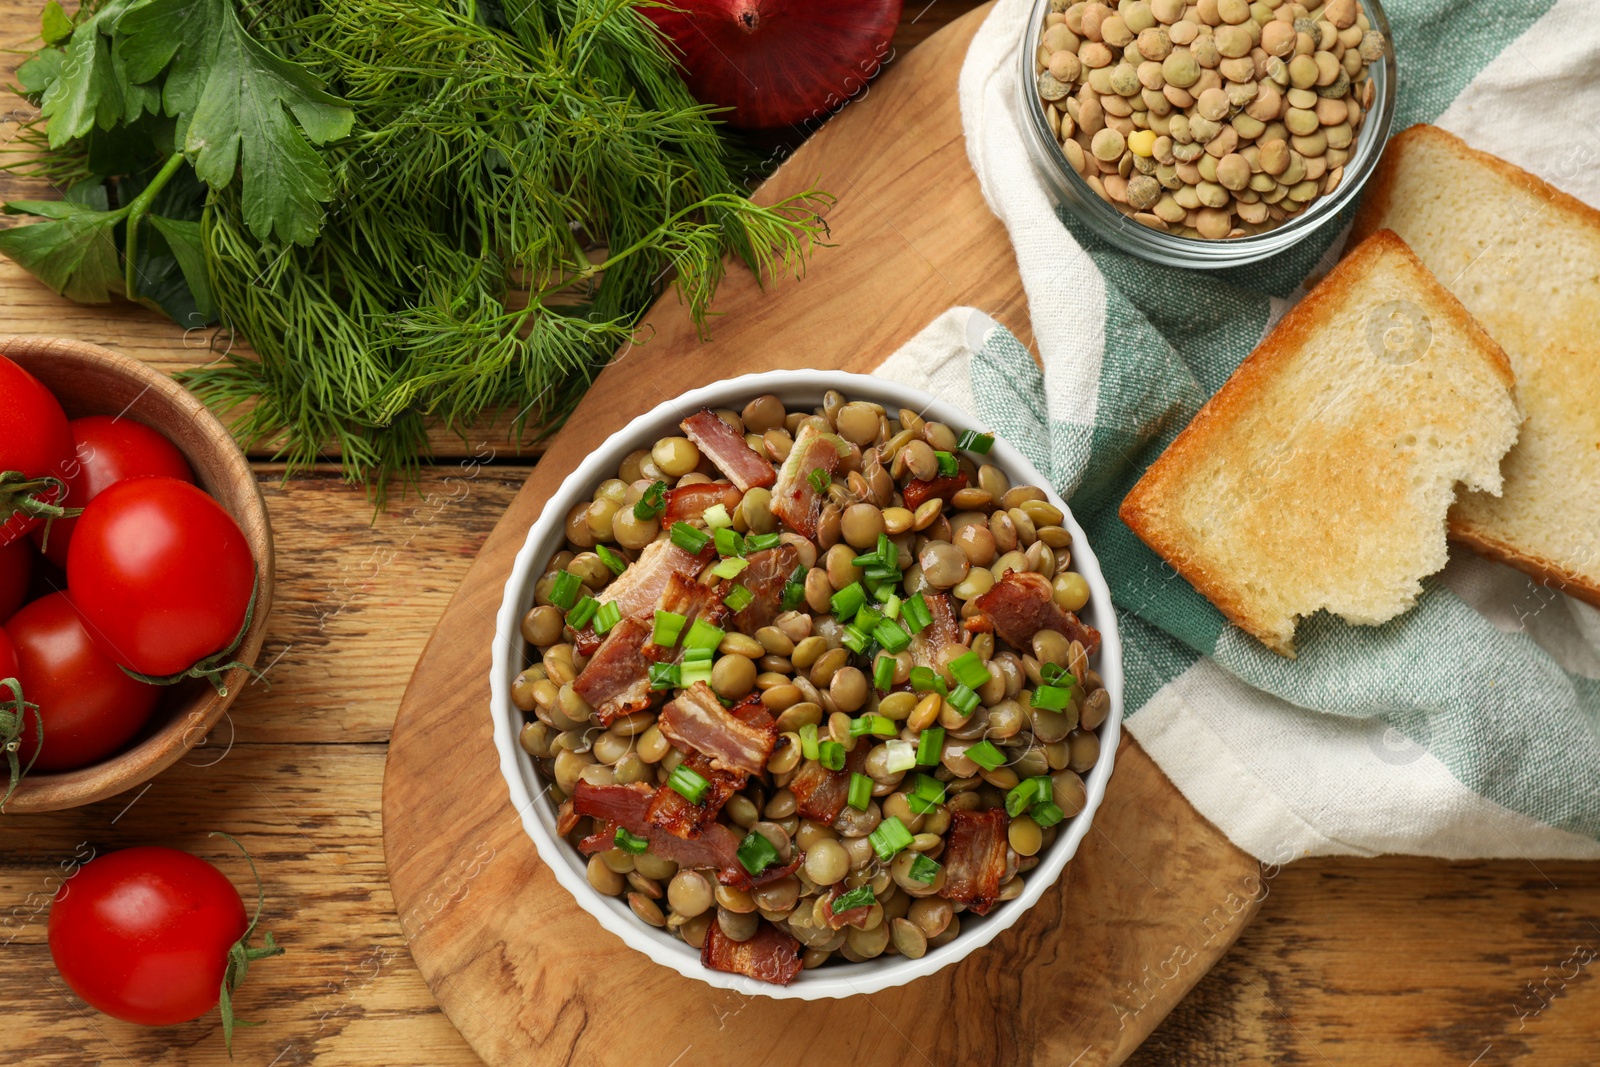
(1155, 895)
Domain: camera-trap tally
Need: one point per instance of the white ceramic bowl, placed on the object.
(528, 788)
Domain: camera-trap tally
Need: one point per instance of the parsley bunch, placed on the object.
(411, 209)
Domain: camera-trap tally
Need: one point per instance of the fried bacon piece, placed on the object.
(628, 806)
(770, 956)
(691, 501)
(1022, 603)
(821, 794)
(794, 499)
(672, 812)
(638, 588)
(975, 858)
(616, 680)
(945, 629)
(697, 722)
(687, 597)
(944, 487)
(768, 572)
(724, 447)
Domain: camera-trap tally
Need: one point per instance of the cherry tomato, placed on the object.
(89, 705)
(107, 450)
(34, 440)
(16, 567)
(143, 934)
(8, 661)
(161, 573)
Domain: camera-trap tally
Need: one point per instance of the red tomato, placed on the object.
(16, 567)
(89, 706)
(161, 573)
(108, 450)
(8, 662)
(143, 934)
(34, 439)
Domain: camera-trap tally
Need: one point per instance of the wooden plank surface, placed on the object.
(1348, 961)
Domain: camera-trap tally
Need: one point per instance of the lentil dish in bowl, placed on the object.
(811, 709)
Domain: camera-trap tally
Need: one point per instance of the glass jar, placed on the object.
(1075, 195)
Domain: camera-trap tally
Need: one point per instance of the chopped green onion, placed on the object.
(948, 464)
(794, 594)
(876, 725)
(688, 784)
(629, 843)
(613, 561)
(1028, 792)
(728, 542)
(831, 755)
(756, 853)
(696, 667)
(607, 616)
(1046, 813)
(819, 479)
(917, 613)
(868, 618)
(860, 792)
(973, 441)
(669, 626)
(923, 870)
(968, 669)
(928, 794)
(703, 635)
(808, 740)
(892, 636)
(652, 503)
(688, 538)
(891, 602)
(859, 897)
(665, 676)
(963, 699)
(731, 567)
(760, 542)
(564, 591)
(925, 679)
(582, 612)
(739, 598)
(985, 755)
(717, 517)
(930, 746)
(854, 639)
(847, 601)
(883, 673)
(888, 551)
(902, 756)
(1051, 673)
(1052, 698)
(889, 838)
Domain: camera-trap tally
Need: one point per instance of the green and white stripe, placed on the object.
(1469, 727)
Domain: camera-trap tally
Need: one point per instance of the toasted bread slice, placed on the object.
(1320, 474)
(1524, 258)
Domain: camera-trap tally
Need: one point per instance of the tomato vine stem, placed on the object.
(242, 954)
(13, 721)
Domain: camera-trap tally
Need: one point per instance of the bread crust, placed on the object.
(1141, 509)
(1375, 206)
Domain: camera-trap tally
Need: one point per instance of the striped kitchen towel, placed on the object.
(1468, 727)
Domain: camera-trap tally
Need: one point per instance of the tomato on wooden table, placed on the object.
(107, 450)
(88, 705)
(34, 443)
(143, 934)
(162, 574)
(16, 567)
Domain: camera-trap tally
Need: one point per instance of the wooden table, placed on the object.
(1348, 962)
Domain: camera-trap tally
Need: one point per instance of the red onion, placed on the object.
(779, 62)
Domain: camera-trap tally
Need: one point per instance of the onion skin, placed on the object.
(779, 62)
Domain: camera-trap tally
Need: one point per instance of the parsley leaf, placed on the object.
(54, 25)
(232, 97)
(74, 251)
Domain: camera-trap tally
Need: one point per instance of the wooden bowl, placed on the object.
(90, 380)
